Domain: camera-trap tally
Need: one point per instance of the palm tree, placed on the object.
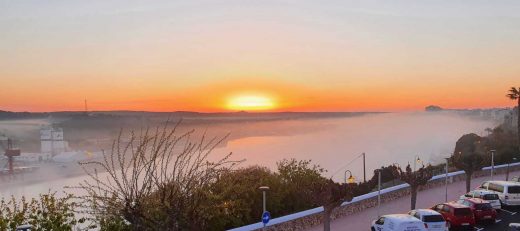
(514, 94)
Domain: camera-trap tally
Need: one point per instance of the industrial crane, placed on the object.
(10, 152)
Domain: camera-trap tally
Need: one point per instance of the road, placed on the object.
(425, 199)
(508, 215)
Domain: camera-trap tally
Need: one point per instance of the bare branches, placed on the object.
(414, 179)
(151, 178)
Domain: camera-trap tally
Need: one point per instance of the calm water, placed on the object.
(331, 143)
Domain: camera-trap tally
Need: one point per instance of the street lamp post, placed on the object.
(446, 183)
(378, 192)
(264, 190)
(507, 170)
(350, 179)
(415, 161)
(364, 169)
(492, 162)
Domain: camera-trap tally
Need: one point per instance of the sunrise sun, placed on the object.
(251, 103)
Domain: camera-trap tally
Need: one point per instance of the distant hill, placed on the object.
(21, 115)
(240, 115)
(433, 108)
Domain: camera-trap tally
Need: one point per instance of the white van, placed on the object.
(398, 222)
(483, 194)
(508, 192)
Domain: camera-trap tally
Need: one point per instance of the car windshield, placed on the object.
(484, 206)
(433, 218)
(490, 197)
(513, 189)
(462, 212)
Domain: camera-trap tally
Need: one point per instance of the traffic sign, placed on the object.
(265, 217)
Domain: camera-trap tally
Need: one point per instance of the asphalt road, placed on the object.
(508, 215)
(426, 199)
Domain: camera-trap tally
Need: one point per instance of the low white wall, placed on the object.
(367, 196)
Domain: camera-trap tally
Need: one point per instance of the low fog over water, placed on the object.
(386, 138)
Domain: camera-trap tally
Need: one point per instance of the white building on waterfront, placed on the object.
(52, 141)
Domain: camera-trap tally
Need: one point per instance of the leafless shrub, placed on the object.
(153, 179)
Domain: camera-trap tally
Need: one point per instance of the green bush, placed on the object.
(47, 212)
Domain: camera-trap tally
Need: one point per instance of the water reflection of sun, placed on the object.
(251, 103)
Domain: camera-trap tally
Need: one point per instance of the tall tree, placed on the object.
(236, 201)
(331, 195)
(469, 156)
(514, 94)
(414, 179)
(296, 176)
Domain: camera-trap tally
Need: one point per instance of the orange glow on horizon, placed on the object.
(260, 94)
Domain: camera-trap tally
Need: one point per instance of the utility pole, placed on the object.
(492, 163)
(446, 184)
(52, 141)
(507, 171)
(378, 192)
(86, 108)
(364, 169)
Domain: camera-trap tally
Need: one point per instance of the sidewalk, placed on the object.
(425, 199)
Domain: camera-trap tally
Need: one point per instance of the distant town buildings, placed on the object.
(500, 115)
(511, 119)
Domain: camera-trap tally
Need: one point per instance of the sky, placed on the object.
(260, 55)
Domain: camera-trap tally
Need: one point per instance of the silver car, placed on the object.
(483, 194)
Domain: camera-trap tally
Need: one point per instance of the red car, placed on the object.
(482, 210)
(456, 215)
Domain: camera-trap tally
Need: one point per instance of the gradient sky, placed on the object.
(306, 55)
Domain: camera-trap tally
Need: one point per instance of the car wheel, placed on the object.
(502, 205)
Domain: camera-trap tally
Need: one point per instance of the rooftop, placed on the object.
(502, 182)
(455, 205)
(427, 212)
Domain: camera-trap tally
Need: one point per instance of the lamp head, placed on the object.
(351, 180)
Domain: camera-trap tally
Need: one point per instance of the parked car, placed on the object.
(433, 221)
(487, 195)
(481, 209)
(397, 222)
(514, 226)
(24, 228)
(456, 215)
(508, 192)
